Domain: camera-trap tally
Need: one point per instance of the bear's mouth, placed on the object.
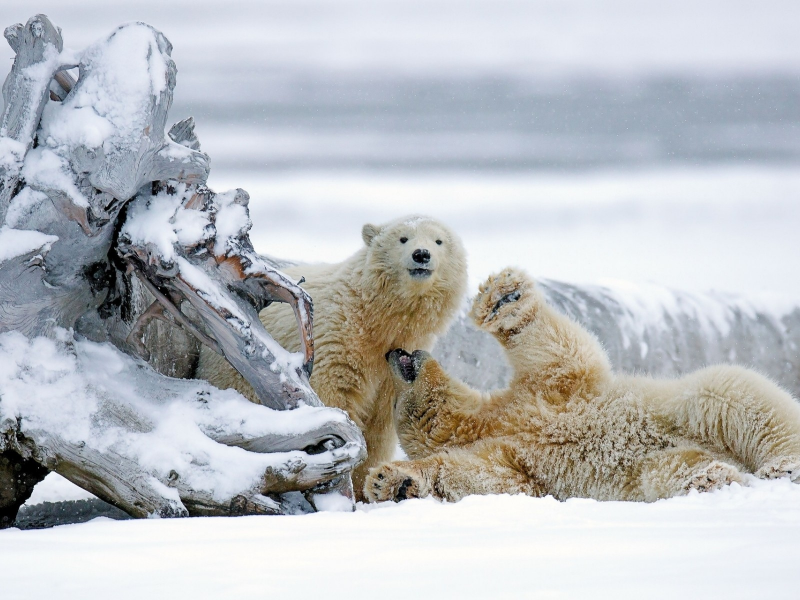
(403, 363)
(507, 299)
(420, 273)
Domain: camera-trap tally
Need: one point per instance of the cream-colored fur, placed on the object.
(570, 427)
(364, 307)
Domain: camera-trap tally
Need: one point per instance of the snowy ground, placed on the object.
(686, 113)
(734, 543)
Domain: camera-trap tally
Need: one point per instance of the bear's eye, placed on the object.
(403, 240)
(438, 242)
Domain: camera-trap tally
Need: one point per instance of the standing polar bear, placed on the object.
(401, 289)
(568, 426)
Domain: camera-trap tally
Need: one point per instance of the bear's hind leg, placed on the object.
(740, 413)
(676, 471)
(487, 469)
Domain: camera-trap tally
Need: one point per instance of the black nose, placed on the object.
(421, 256)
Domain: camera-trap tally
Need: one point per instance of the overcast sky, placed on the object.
(533, 37)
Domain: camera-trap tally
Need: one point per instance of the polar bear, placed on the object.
(401, 289)
(570, 427)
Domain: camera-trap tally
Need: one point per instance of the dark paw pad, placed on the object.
(402, 492)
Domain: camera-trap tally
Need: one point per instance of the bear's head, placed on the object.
(416, 251)
(419, 263)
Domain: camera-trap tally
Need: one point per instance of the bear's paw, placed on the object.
(393, 482)
(713, 476)
(497, 295)
(781, 467)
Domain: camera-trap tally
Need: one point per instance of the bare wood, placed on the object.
(37, 42)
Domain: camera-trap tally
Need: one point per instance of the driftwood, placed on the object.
(111, 246)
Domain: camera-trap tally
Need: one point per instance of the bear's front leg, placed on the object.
(485, 468)
(433, 411)
(545, 348)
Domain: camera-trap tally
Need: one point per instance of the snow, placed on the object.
(120, 74)
(12, 153)
(18, 242)
(54, 488)
(161, 221)
(739, 542)
(79, 126)
(23, 204)
(232, 220)
(47, 170)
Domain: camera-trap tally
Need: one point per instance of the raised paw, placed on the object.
(392, 481)
(713, 476)
(781, 467)
(496, 294)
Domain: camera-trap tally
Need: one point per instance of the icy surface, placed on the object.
(736, 543)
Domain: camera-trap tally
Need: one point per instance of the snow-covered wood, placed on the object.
(38, 46)
(651, 329)
(111, 243)
(158, 446)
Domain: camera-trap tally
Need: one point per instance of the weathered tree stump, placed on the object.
(111, 246)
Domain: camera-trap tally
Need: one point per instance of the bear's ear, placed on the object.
(369, 232)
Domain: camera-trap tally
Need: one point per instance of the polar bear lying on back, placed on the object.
(401, 289)
(569, 427)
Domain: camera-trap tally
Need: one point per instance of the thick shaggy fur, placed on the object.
(569, 427)
(363, 307)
